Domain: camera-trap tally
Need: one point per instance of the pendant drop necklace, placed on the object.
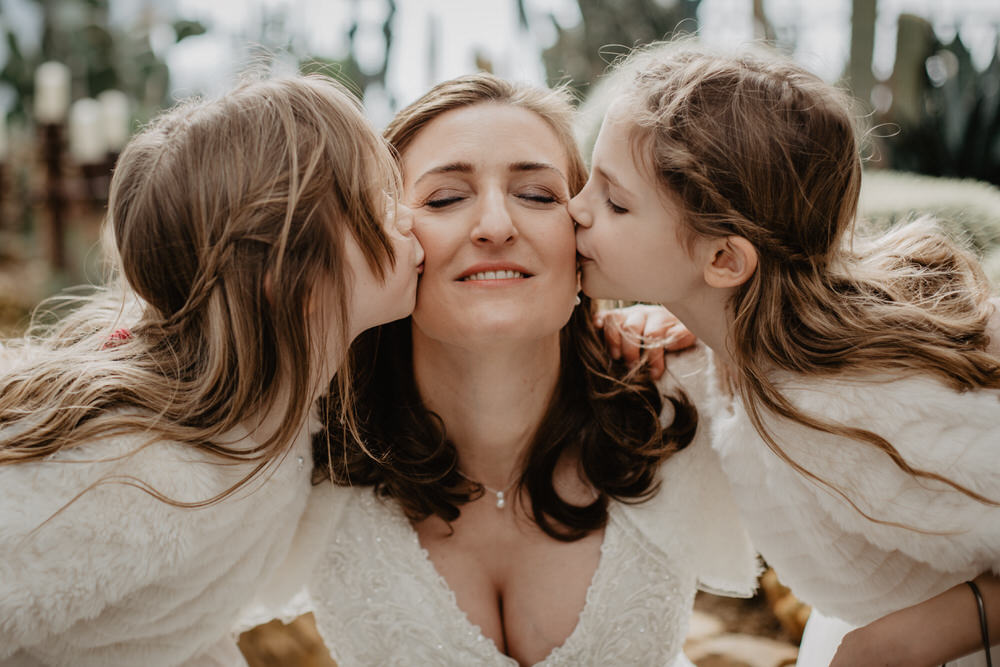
(500, 494)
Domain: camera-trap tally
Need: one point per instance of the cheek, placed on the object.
(433, 240)
(560, 238)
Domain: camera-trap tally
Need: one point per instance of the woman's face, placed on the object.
(487, 184)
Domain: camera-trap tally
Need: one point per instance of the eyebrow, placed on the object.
(613, 181)
(468, 168)
(536, 166)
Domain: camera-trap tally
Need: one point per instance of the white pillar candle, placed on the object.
(116, 118)
(87, 144)
(52, 83)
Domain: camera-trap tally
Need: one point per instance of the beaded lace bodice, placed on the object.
(380, 601)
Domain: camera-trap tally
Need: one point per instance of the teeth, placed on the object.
(494, 275)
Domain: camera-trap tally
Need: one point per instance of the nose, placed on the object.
(578, 210)
(494, 224)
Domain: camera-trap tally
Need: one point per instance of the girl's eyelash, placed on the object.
(615, 208)
(442, 202)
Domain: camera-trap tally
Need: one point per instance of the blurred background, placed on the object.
(77, 77)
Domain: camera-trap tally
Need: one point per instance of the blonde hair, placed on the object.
(225, 216)
(755, 146)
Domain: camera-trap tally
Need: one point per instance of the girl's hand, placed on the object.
(628, 331)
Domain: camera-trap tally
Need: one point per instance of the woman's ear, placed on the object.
(733, 261)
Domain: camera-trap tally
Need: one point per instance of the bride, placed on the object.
(516, 501)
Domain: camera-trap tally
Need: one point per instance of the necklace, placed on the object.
(500, 494)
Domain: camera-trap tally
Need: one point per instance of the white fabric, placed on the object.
(694, 517)
(380, 601)
(117, 577)
(827, 552)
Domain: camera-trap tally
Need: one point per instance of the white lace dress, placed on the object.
(379, 600)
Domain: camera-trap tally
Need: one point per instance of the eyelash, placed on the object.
(615, 208)
(534, 198)
(540, 198)
(442, 202)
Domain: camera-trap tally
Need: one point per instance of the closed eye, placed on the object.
(442, 202)
(539, 198)
(615, 208)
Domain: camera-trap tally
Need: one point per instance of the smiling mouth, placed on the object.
(494, 275)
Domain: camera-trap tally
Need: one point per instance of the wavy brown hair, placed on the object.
(225, 215)
(609, 419)
(755, 146)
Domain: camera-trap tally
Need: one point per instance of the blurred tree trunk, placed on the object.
(915, 42)
(859, 67)
(610, 28)
(762, 27)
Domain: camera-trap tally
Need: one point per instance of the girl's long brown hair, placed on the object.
(610, 420)
(755, 146)
(225, 217)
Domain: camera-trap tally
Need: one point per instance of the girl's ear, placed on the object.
(732, 262)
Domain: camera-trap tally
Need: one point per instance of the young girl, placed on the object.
(155, 450)
(863, 442)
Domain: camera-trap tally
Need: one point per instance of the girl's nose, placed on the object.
(404, 219)
(578, 211)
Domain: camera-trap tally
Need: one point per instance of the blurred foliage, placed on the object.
(100, 56)
(609, 28)
(947, 111)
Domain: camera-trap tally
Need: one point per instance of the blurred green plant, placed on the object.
(947, 111)
(100, 56)
(610, 28)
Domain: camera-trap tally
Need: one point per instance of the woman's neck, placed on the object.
(491, 400)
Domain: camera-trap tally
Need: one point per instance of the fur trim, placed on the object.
(116, 576)
(693, 518)
(830, 554)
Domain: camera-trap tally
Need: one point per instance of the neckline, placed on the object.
(447, 595)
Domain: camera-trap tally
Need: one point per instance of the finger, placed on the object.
(679, 338)
(613, 337)
(632, 329)
(657, 362)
